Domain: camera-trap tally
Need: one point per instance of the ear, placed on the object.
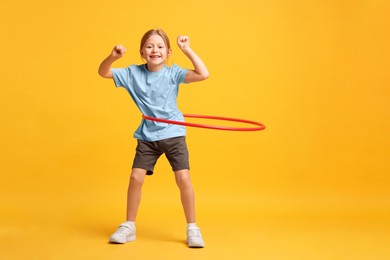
(169, 53)
(142, 55)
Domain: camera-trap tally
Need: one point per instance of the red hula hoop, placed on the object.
(259, 127)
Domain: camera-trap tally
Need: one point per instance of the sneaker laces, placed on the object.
(123, 229)
(194, 232)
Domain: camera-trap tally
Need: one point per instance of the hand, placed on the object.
(183, 42)
(118, 51)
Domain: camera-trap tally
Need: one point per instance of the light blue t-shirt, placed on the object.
(155, 95)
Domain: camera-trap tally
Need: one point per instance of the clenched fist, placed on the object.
(183, 42)
(118, 51)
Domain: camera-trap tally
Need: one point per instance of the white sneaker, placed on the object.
(125, 233)
(194, 237)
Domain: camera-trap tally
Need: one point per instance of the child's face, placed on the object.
(154, 51)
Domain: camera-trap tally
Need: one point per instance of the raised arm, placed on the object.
(105, 66)
(200, 71)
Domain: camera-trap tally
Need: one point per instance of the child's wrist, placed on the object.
(186, 49)
(113, 57)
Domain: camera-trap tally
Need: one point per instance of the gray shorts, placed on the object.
(175, 149)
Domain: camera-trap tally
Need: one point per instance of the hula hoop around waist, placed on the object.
(259, 126)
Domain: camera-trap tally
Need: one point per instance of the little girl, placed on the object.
(153, 87)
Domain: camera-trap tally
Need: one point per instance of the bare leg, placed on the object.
(134, 192)
(187, 195)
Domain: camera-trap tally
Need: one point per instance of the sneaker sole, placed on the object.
(195, 245)
(116, 241)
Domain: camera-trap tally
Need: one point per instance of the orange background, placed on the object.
(313, 185)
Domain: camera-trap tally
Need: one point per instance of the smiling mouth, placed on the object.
(155, 56)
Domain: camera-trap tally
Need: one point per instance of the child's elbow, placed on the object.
(205, 75)
(106, 75)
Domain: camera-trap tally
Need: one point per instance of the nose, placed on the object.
(155, 49)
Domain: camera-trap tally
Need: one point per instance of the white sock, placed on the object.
(191, 225)
(132, 223)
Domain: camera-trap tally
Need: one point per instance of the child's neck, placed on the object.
(154, 68)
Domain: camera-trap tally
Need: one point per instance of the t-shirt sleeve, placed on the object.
(179, 73)
(121, 77)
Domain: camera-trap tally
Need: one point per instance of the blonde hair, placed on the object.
(159, 32)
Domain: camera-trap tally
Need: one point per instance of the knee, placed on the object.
(137, 178)
(183, 179)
